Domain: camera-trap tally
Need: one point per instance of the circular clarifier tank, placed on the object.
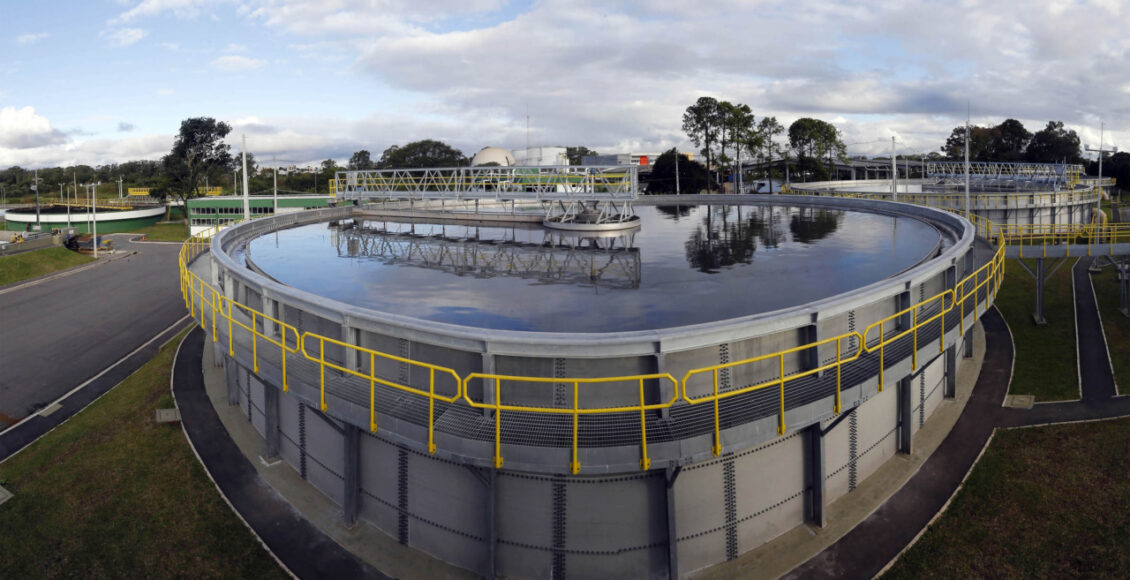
(684, 265)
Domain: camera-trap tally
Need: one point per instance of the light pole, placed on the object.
(62, 193)
(35, 188)
(1099, 201)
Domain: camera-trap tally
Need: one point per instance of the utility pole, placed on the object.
(894, 172)
(119, 187)
(62, 193)
(967, 161)
(246, 198)
(35, 188)
(94, 218)
(275, 183)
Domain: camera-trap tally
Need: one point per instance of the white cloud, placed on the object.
(164, 92)
(234, 63)
(124, 36)
(25, 129)
(31, 38)
(180, 8)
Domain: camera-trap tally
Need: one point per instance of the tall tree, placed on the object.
(1054, 144)
(737, 128)
(1010, 139)
(980, 143)
(426, 153)
(198, 148)
(701, 123)
(576, 154)
(360, 160)
(814, 139)
(763, 145)
(692, 175)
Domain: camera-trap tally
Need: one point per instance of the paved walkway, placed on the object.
(873, 544)
(301, 547)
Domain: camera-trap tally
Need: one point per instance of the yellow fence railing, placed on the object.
(215, 310)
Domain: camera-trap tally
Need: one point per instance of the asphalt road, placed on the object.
(57, 333)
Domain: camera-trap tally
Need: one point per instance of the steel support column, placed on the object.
(1038, 315)
(231, 370)
(271, 415)
(814, 475)
(950, 389)
(670, 476)
(905, 423)
(351, 480)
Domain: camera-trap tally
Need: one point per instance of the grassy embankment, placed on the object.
(38, 263)
(1048, 502)
(1045, 363)
(113, 494)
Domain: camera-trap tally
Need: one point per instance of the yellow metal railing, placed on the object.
(201, 299)
(716, 396)
(374, 380)
(576, 410)
(1092, 235)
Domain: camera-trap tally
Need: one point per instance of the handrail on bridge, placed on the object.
(200, 298)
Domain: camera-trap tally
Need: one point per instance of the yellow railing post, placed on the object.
(914, 353)
(839, 366)
(575, 466)
(498, 423)
(431, 410)
(372, 393)
(882, 345)
(255, 341)
(781, 376)
(645, 462)
(717, 420)
(322, 371)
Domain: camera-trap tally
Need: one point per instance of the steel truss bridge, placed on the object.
(1061, 174)
(597, 194)
(608, 262)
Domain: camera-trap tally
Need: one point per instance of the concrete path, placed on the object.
(58, 332)
(872, 545)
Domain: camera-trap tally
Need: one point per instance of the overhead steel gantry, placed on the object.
(595, 194)
(608, 262)
(1061, 174)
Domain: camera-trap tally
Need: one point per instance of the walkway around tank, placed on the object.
(303, 549)
(874, 544)
(114, 312)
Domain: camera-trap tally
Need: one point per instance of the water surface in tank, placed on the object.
(683, 265)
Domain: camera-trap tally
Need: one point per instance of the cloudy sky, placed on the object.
(103, 81)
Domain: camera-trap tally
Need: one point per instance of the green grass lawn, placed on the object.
(37, 263)
(1045, 363)
(1116, 325)
(166, 232)
(112, 494)
(1049, 502)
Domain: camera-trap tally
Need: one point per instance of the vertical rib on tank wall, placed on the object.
(838, 445)
(928, 384)
(878, 426)
(258, 404)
